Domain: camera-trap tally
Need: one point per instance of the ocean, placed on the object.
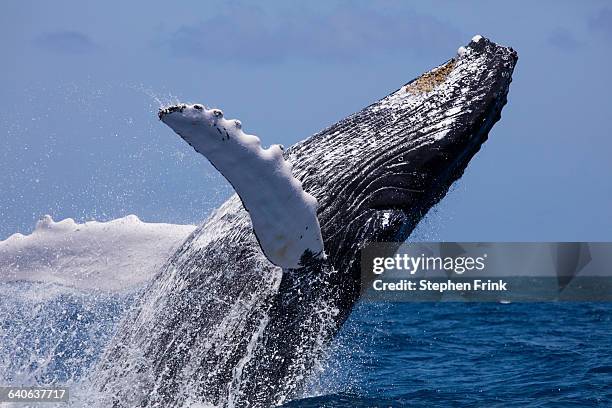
(476, 355)
(386, 355)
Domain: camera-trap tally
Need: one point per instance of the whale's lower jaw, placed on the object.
(221, 324)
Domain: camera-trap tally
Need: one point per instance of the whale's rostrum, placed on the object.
(222, 325)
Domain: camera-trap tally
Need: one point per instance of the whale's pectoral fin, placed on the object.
(283, 215)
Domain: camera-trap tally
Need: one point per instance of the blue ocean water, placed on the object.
(387, 355)
(476, 355)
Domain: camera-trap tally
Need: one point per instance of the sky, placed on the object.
(81, 83)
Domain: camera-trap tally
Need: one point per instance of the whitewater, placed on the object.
(64, 288)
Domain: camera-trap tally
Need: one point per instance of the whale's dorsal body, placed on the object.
(221, 324)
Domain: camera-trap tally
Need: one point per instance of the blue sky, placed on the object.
(80, 83)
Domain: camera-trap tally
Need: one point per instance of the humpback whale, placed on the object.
(222, 325)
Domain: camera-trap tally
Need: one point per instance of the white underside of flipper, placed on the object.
(117, 255)
(283, 215)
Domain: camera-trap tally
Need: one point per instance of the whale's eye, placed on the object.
(198, 107)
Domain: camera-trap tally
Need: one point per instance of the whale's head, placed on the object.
(379, 171)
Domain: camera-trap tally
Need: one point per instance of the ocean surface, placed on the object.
(476, 355)
(387, 355)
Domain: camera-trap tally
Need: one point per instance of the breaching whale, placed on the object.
(222, 325)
